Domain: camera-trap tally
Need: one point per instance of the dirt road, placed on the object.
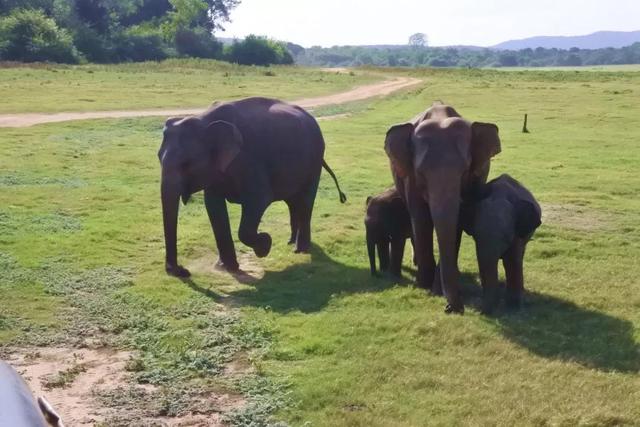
(363, 92)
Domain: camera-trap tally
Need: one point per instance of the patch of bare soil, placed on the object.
(573, 217)
(339, 70)
(333, 117)
(363, 92)
(73, 400)
(97, 371)
(251, 270)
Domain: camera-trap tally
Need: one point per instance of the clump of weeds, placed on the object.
(179, 352)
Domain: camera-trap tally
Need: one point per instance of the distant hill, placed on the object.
(599, 40)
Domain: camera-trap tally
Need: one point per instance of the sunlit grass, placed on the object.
(168, 84)
(357, 350)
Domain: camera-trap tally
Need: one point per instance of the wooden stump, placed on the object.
(524, 127)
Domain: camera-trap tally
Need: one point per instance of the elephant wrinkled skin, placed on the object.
(388, 227)
(502, 221)
(438, 160)
(252, 152)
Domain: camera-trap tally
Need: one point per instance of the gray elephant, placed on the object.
(388, 226)
(502, 221)
(253, 152)
(438, 160)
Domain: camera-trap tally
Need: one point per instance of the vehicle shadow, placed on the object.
(558, 329)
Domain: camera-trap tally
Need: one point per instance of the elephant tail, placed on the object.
(343, 197)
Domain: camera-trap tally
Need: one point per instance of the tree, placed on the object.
(418, 40)
(255, 50)
(29, 35)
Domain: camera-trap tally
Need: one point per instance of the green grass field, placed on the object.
(81, 257)
(173, 83)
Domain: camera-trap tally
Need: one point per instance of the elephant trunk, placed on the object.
(444, 212)
(170, 194)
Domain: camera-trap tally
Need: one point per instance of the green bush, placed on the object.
(198, 43)
(255, 50)
(94, 46)
(29, 35)
(135, 45)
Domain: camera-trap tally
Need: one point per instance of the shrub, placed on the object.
(136, 45)
(29, 35)
(95, 47)
(256, 50)
(197, 43)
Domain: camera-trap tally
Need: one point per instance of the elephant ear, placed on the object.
(171, 121)
(527, 218)
(226, 142)
(398, 147)
(485, 143)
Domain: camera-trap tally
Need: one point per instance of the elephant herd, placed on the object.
(257, 150)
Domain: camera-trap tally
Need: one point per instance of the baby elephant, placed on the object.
(388, 225)
(501, 221)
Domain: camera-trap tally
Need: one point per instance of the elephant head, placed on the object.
(441, 157)
(194, 155)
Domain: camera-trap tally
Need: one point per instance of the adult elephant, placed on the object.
(252, 152)
(438, 159)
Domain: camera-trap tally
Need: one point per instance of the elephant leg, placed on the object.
(513, 268)
(397, 253)
(383, 254)
(488, 266)
(436, 288)
(422, 226)
(219, 219)
(306, 201)
(371, 252)
(252, 210)
(413, 249)
(293, 220)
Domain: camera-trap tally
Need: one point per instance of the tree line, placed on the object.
(415, 55)
(107, 31)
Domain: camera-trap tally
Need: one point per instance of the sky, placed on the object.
(449, 22)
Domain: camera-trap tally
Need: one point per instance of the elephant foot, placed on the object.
(176, 271)
(489, 301)
(458, 308)
(513, 299)
(393, 275)
(303, 248)
(436, 288)
(423, 286)
(231, 267)
(292, 241)
(263, 245)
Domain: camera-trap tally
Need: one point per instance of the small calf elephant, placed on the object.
(501, 221)
(388, 226)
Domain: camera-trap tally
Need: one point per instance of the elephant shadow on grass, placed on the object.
(547, 326)
(308, 287)
(558, 329)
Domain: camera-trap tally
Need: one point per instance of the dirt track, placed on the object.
(363, 92)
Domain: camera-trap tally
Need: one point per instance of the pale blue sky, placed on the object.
(449, 22)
